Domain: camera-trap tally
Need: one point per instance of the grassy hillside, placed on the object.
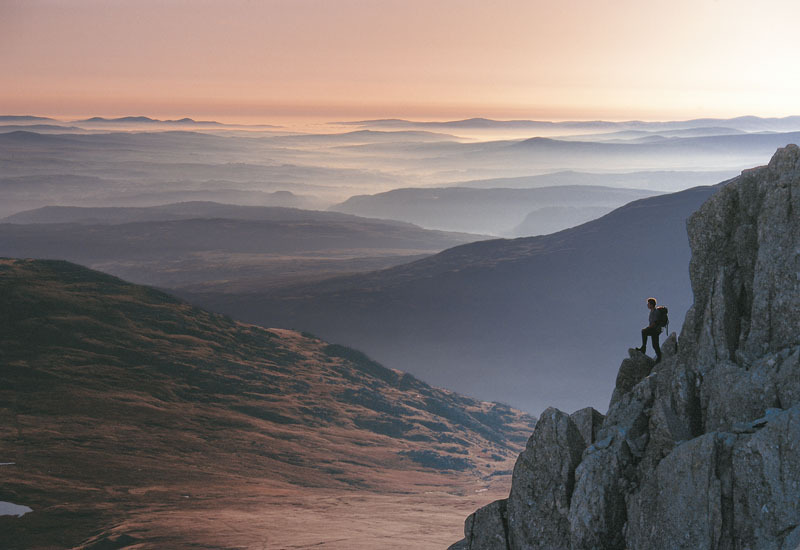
(116, 398)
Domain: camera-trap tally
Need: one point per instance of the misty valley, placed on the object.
(355, 232)
(208, 324)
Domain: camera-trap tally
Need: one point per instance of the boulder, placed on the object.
(588, 421)
(632, 371)
(542, 484)
(669, 347)
(597, 514)
(628, 418)
(675, 415)
(607, 471)
(486, 528)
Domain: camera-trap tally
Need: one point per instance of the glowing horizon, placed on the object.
(362, 59)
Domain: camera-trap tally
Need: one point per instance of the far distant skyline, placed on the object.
(328, 60)
(354, 123)
(493, 129)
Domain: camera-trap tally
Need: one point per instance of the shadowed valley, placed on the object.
(492, 318)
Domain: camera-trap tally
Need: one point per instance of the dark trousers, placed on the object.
(653, 333)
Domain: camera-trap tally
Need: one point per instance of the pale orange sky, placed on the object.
(239, 60)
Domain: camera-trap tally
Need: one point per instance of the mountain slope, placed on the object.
(117, 398)
(700, 451)
(493, 318)
(551, 219)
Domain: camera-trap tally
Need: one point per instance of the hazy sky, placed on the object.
(431, 59)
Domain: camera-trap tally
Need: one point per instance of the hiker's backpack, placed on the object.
(662, 319)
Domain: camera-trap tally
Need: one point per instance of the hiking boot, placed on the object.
(641, 349)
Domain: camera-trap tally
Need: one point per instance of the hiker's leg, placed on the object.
(644, 339)
(654, 336)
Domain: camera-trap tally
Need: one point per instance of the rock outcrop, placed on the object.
(702, 450)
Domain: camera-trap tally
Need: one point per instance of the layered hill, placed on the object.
(495, 211)
(205, 245)
(537, 155)
(664, 181)
(700, 451)
(117, 399)
(746, 123)
(162, 161)
(156, 167)
(492, 318)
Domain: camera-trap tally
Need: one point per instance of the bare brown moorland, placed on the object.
(132, 419)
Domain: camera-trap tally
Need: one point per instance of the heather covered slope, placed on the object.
(117, 399)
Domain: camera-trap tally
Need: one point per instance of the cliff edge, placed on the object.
(700, 451)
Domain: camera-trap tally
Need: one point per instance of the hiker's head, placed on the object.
(651, 303)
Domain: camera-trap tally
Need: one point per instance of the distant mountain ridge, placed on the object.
(750, 123)
(210, 245)
(666, 181)
(661, 133)
(6, 128)
(146, 120)
(25, 118)
(523, 155)
(364, 136)
(178, 211)
(496, 211)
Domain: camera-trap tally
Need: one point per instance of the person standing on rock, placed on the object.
(653, 330)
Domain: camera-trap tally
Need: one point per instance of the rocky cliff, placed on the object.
(700, 451)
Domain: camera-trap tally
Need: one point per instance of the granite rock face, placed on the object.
(701, 450)
(538, 504)
(486, 528)
(745, 266)
(766, 493)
